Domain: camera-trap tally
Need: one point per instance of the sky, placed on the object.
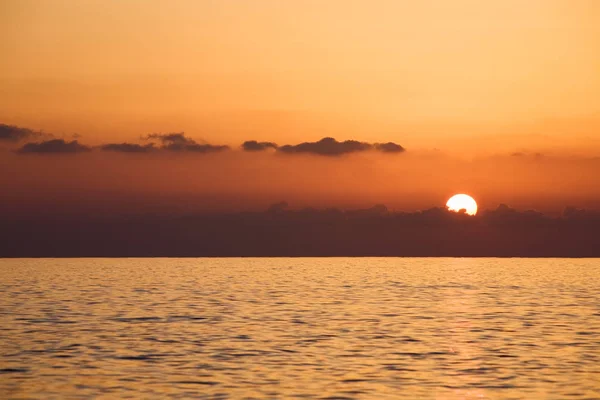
(498, 98)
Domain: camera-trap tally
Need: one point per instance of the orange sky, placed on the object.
(235, 180)
(424, 73)
(469, 78)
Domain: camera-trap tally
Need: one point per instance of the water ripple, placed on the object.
(300, 328)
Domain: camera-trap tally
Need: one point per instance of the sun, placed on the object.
(462, 202)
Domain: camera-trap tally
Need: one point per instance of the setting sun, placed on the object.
(462, 202)
(258, 188)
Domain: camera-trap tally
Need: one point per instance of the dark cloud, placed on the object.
(177, 138)
(389, 147)
(54, 146)
(12, 133)
(203, 148)
(504, 214)
(278, 207)
(128, 147)
(573, 212)
(179, 142)
(253, 145)
(327, 147)
(578, 214)
(330, 147)
(280, 231)
(504, 209)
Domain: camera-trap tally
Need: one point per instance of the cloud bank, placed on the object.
(331, 147)
(327, 147)
(178, 142)
(54, 146)
(389, 147)
(12, 133)
(128, 147)
(278, 231)
(253, 145)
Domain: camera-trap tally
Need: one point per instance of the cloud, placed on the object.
(253, 145)
(280, 231)
(204, 148)
(330, 147)
(54, 146)
(171, 138)
(179, 142)
(12, 133)
(389, 147)
(176, 142)
(579, 214)
(327, 147)
(278, 207)
(128, 147)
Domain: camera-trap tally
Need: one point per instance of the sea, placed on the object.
(300, 328)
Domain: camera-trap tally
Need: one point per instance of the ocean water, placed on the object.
(300, 328)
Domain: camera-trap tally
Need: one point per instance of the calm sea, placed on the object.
(333, 328)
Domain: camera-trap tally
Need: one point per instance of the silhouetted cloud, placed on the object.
(279, 231)
(179, 142)
(204, 148)
(128, 147)
(253, 145)
(54, 146)
(579, 214)
(504, 209)
(277, 207)
(573, 212)
(389, 147)
(330, 147)
(327, 147)
(167, 139)
(376, 210)
(12, 133)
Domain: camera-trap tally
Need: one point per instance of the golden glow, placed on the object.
(462, 202)
(456, 75)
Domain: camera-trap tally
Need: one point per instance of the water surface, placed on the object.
(300, 328)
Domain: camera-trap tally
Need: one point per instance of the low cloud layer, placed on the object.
(253, 145)
(279, 231)
(56, 146)
(389, 147)
(175, 142)
(128, 147)
(327, 147)
(330, 147)
(179, 142)
(12, 133)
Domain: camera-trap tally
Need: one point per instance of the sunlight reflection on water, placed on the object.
(300, 328)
